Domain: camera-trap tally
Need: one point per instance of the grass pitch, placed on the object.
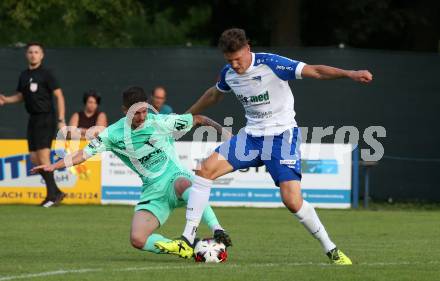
(91, 243)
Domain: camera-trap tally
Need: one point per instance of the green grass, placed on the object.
(269, 244)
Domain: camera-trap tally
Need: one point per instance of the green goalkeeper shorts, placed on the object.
(162, 203)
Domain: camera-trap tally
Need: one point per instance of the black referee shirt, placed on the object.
(37, 86)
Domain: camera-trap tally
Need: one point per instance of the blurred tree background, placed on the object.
(380, 24)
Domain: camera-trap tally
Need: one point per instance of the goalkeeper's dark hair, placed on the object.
(132, 95)
(232, 40)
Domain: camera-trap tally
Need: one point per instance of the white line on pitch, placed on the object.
(49, 273)
(197, 266)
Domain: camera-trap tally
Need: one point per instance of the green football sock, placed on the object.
(208, 217)
(149, 245)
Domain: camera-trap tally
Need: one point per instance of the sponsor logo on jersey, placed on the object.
(255, 100)
(180, 124)
(257, 78)
(282, 67)
(259, 114)
(144, 159)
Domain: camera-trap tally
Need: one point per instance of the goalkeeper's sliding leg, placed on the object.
(150, 215)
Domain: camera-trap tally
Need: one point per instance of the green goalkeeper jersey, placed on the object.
(149, 151)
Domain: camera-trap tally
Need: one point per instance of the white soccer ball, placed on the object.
(210, 251)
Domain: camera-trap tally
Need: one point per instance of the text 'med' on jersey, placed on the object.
(264, 92)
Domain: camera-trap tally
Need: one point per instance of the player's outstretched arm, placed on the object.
(210, 97)
(70, 160)
(18, 97)
(327, 72)
(201, 120)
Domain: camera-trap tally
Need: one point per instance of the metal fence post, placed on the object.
(355, 177)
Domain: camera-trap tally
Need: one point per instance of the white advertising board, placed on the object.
(326, 182)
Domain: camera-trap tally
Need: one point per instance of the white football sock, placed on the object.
(216, 227)
(197, 201)
(309, 219)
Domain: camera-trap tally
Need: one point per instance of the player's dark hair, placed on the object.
(92, 93)
(30, 44)
(132, 95)
(157, 88)
(232, 40)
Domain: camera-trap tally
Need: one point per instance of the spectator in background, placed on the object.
(158, 99)
(90, 116)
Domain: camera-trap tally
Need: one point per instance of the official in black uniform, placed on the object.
(36, 87)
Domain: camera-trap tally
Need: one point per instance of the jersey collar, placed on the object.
(39, 67)
(252, 63)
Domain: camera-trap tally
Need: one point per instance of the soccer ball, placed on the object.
(210, 251)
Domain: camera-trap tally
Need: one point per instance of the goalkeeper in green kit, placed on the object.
(145, 143)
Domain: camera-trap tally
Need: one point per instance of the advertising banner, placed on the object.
(326, 181)
(81, 183)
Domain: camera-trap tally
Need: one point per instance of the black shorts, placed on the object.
(41, 130)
